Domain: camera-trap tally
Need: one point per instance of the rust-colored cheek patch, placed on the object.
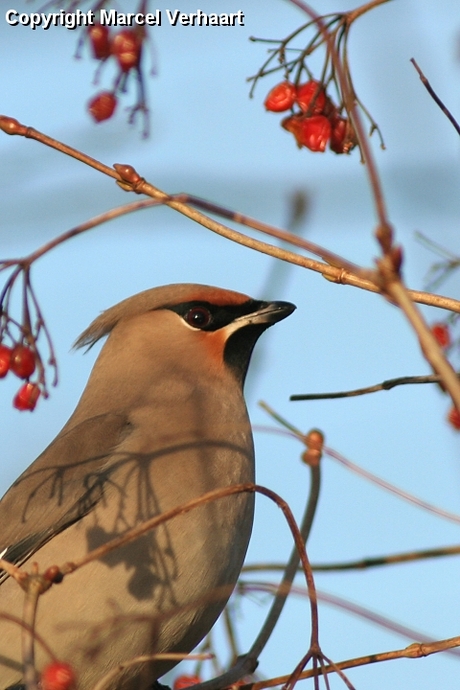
(214, 344)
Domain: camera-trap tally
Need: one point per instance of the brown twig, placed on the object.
(435, 97)
(404, 495)
(428, 344)
(230, 632)
(367, 7)
(11, 126)
(113, 673)
(129, 180)
(389, 264)
(348, 606)
(247, 663)
(291, 569)
(136, 532)
(13, 570)
(413, 651)
(363, 563)
(31, 631)
(384, 386)
(32, 594)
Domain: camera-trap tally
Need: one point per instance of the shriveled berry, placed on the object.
(58, 676)
(5, 360)
(311, 97)
(27, 396)
(312, 132)
(185, 681)
(281, 97)
(442, 334)
(454, 418)
(126, 47)
(22, 361)
(102, 106)
(343, 138)
(99, 38)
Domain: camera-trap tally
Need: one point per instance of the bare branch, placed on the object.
(384, 386)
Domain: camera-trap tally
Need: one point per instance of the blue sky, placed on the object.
(209, 139)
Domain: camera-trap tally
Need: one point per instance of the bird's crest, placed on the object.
(155, 298)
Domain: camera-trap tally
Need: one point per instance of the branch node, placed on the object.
(11, 126)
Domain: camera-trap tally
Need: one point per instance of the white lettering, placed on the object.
(35, 20)
(10, 16)
(173, 16)
(108, 17)
(47, 20)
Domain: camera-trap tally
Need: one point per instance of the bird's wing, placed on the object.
(65, 482)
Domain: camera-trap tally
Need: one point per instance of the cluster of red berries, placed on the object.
(58, 676)
(317, 121)
(20, 359)
(126, 48)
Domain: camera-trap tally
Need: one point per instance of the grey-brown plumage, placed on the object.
(162, 421)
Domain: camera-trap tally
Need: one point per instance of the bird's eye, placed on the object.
(198, 317)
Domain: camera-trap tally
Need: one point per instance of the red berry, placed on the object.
(99, 37)
(330, 109)
(27, 396)
(5, 360)
(126, 47)
(312, 132)
(22, 361)
(311, 97)
(102, 106)
(454, 418)
(281, 97)
(185, 681)
(58, 676)
(343, 137)
(441, 334)
(338, 132)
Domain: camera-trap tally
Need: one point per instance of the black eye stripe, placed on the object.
(219, 316)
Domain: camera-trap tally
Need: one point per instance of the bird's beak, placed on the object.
(267, 313)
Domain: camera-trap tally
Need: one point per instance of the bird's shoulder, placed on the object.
(61, 486)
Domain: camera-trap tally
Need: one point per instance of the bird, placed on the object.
(162, 421)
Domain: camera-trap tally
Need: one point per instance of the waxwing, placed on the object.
(161, 421)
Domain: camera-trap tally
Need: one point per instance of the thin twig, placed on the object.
(384, 386)
(363, 563)
(291, 570)
(404, 495)
(246, 663)
(32, 595)
(435, 97)
(413, 651)
(389, 265)
(230, 631)
(333, 273)
(113, 673)
(428, 344)
(23, 625)
(348, 606)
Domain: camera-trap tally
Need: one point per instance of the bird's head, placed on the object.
(226, 323)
